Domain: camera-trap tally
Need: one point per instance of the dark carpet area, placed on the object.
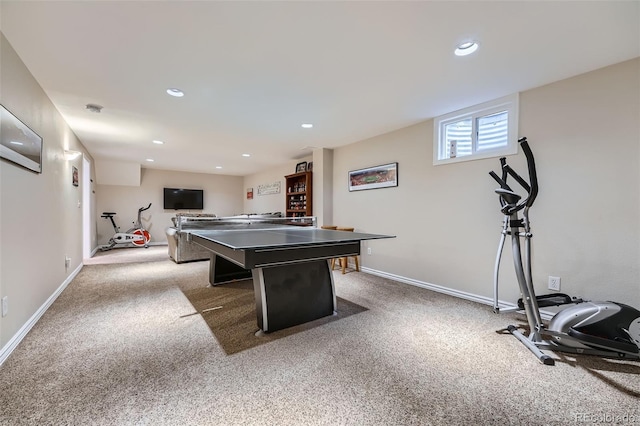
(230, 312)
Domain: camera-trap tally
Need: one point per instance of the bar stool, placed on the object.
(345, 260)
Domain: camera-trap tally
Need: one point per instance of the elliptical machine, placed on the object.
(136, 235)
(607, 329)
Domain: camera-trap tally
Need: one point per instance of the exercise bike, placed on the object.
(606, 329)
(136, 235)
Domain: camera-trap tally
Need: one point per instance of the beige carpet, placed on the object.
(230, 312)
(118, 348)
(129, 255)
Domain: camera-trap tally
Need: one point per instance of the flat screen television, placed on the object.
(183, 199)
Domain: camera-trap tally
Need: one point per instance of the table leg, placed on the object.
(293, 294)
(221, 270)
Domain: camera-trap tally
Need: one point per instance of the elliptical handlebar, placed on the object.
(533, 175)
(531, 187)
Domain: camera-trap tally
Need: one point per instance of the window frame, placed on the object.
(507, 103)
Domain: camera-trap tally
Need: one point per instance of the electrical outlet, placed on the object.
(368, 250)
(554, 283)
(67, 261)
(5, 306)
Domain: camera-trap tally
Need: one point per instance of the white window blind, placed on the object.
(482, 131)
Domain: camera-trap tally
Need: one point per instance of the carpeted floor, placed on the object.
(129, 255)
(230, 312)
(118, 347)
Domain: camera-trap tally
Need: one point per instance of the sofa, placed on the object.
(181, 249)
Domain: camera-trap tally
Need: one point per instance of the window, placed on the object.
(481, 131)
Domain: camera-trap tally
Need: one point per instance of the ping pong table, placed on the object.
(288, 260)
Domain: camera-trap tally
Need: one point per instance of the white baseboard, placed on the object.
(17, 338)
(545, 315)
(440, 289)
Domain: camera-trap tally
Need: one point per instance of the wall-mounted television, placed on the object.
(183, 199)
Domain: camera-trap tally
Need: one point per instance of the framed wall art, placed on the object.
(74, 175)
(18, 143)
(383, 176)
(269, 188)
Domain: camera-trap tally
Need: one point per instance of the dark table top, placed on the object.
(277, 236)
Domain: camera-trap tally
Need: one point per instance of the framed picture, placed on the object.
(301, 167)
(74, 175)
(249, 193)
(18, 143)
(269, 188)
(383, 176)
(310, 166)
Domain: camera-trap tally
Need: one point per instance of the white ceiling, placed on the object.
(253, 72)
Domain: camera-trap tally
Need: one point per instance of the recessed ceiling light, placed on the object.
(246, 155)
(218, 167)
(150, 160)
(158, 142)
(466, 48)
(307, 125)
(16, 143)
(175, 92)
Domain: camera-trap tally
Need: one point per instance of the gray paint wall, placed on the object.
(270, 202)
(222, 197)
(40, 219)
(585, 136)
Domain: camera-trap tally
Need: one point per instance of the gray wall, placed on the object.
(270, 202)
(40, 220)
(585, 136)
(222, 197)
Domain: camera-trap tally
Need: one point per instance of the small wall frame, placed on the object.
(383, 176)
(74, 175)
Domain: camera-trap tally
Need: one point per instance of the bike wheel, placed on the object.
(145, 240)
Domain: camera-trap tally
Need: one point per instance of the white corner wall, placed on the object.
(323, 186)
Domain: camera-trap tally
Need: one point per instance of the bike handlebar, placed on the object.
(141, 209)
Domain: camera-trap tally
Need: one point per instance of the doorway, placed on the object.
(86, 208)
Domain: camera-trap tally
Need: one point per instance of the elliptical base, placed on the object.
(536, 345)
(531, 345)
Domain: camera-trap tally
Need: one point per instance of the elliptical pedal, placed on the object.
(552, 299)
(602, 343)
